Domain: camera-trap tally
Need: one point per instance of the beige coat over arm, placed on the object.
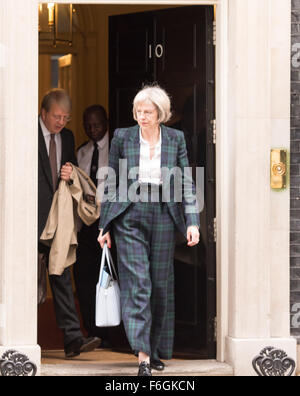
(70, 201)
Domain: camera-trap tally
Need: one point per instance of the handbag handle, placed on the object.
(110, 263)
(106, 254)
(102, 264)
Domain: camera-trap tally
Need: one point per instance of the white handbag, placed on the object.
(108, 306)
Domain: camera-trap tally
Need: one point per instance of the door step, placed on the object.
(124, 366)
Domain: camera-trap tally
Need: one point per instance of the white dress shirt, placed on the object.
(47, 137)
(85, 155)
(150, 169)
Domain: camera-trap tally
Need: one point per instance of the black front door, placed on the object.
(174, 47)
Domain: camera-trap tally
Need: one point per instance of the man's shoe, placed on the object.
(81, 345)
(144, 370)
(105, 344)
(89, 344)
(73, 349)
(156, 364)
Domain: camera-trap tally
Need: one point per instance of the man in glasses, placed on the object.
(56, 151)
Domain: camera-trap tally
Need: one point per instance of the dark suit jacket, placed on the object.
(45, 185)
(126, 145)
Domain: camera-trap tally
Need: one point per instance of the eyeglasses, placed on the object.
(65, 119)
(147, 114)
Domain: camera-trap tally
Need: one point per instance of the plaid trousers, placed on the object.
(145, 240)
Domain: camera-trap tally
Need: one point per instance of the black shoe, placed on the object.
(157, 365)
(73, 349)
(105, 344)
(89, 344)
(80, 345)
(144, 370)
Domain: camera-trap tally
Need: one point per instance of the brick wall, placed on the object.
(295, 171)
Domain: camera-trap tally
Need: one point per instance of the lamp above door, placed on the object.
(56, 23)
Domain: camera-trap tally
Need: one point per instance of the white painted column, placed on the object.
(258, 108)
(18, 177)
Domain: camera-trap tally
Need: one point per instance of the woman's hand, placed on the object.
(104, 238)
(193, 236)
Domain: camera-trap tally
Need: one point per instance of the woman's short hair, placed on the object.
(159, 97)
(59, 96)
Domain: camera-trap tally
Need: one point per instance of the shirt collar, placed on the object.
(142, 140)
(45, 131)
(103, 142)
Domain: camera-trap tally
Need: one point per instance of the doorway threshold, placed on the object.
(103, 362)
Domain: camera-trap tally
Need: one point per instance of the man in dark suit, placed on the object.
(56, 152)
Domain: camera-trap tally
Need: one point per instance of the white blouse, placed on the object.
(150, 169)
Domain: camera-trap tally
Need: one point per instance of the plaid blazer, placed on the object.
(125, 145)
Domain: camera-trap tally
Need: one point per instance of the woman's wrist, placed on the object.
(194, 226)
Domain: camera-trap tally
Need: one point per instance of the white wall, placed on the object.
(18, 177)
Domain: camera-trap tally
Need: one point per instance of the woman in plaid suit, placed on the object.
(149, 162)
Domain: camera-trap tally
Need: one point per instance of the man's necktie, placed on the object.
(53, 161)
(95, 164)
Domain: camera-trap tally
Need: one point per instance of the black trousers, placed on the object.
(86, 275)
(64, 303)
